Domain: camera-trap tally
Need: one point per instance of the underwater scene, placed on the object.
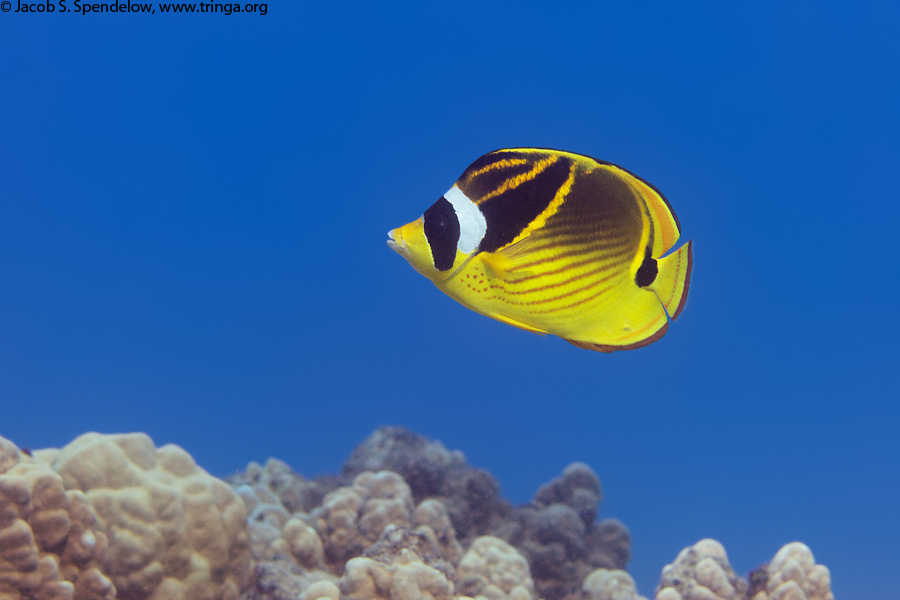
(460, 301)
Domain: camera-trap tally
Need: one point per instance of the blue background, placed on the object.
(194, 208)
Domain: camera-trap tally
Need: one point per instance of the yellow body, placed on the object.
(572, 271)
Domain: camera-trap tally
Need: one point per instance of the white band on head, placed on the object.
(472, 225)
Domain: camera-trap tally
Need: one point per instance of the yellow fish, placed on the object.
(555, 242)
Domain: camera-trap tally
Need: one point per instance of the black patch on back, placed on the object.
(600, 209)
(478, 186)
(599, 201)
(511, 212)
(442, 232)
(646, 274)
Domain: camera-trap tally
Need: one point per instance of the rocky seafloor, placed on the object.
(113, 516)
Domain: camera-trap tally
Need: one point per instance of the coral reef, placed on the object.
(277, 482)
(558, 532)
(793, 575)
(402, 565)
(472, 496)
(351, 518)
(432, 520)
(609, 584)
(112, 516)
(491, 568)
(559, 535)
(702, 572)
(289, 554)
(51, 543)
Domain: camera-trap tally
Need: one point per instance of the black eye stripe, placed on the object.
(442, 232)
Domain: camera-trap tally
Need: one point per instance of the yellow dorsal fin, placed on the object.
(665, 224)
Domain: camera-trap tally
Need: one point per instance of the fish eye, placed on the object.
(442, 232)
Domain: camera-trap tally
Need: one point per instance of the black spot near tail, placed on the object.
(648, 271)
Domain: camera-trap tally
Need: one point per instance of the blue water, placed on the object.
(192, 226)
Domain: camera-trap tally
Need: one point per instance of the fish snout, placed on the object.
(396, 241)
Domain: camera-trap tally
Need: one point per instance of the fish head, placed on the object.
(442, 239)
(411, 243)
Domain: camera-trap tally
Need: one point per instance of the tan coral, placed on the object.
(50, 542)
(794, 575)
(175, 532)
(701, 572)
(406, 578)
(10, 455)
(288, 553)
(493, 569)
(304, 543)
(321, 590)
(609, 584)
(432, 519)
(352, 517)
(276, 483)
(266, 524)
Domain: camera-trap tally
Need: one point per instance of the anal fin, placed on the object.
(613, 348)
(639, 319)
(515, 323)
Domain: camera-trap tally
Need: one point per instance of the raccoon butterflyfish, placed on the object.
(555, 242)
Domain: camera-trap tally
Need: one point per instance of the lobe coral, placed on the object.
(114, 516)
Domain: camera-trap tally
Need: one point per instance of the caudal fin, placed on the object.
(673, 278)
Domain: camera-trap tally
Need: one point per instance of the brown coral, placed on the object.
(558, 535)
(578, 488)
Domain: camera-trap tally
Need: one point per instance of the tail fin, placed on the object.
(673, 279)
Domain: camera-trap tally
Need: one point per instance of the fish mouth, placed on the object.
(396, 241)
